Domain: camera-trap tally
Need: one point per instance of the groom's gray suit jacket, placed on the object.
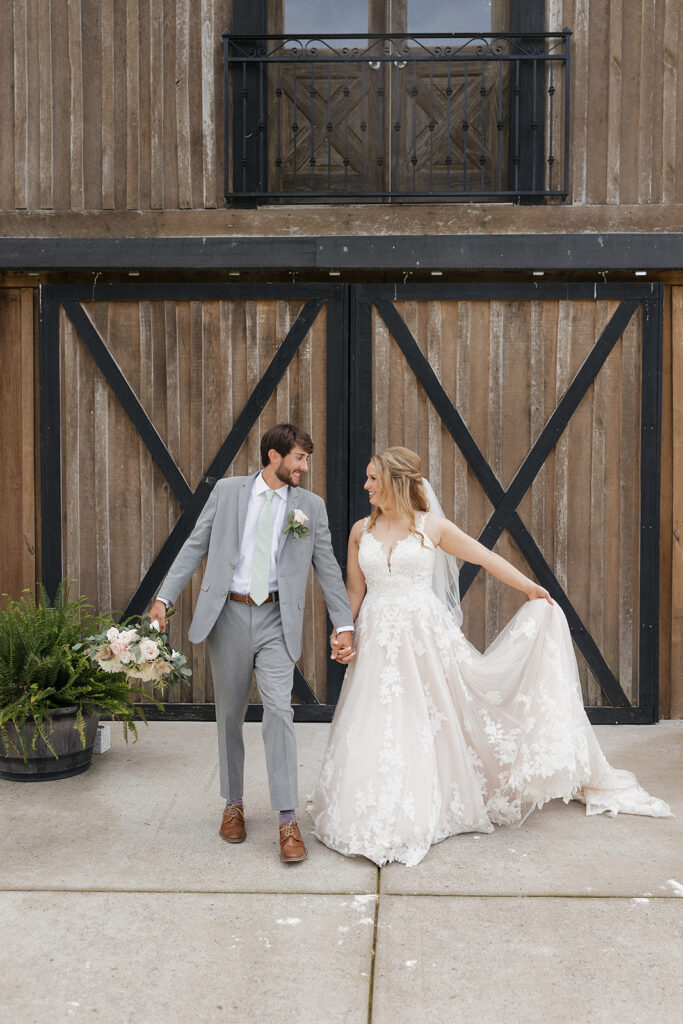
(218, 534)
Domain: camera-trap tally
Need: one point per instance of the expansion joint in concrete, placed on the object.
(373, 950)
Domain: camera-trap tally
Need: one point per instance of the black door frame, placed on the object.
(349, 440)
(506, 501)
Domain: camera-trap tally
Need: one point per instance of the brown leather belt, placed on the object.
(245, 599)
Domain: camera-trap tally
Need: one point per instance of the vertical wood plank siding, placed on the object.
(522, 356)
(627, 96)
(18, 521)
(118, 104)
(118, 510)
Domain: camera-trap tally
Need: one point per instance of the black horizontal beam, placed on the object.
(207, 713)
(324, 712)
(524, 252)
(504, 252)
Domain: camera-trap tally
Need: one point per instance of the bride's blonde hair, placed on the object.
(399, 470)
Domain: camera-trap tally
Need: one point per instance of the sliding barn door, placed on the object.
(153, 394)
(536, 415)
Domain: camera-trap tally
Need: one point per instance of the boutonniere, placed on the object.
(296, 522)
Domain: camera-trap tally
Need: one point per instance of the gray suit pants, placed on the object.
(248, 639)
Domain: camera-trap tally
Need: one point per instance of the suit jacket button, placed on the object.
(224, 593)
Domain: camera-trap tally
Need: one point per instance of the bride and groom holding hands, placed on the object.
(430, 737)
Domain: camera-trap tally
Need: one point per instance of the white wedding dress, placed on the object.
(432, 738)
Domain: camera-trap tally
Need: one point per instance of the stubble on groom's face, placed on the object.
(292, 466)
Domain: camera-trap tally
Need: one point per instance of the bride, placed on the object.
(430, 737)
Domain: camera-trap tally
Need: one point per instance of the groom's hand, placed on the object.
(158, 612)
(342, 647)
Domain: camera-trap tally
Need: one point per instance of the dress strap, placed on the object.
(421, 528)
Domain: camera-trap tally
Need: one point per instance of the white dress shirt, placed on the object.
(241, 580)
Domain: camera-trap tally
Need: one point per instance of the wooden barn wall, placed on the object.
(505, 365)
(125, 482)
(627, 98)
(118, 104)
(192, 365)
(17, 443)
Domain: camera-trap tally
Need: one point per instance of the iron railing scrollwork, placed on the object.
(402, 117)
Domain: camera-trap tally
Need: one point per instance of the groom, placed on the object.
(261, 535)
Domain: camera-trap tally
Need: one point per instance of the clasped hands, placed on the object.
(341, 645)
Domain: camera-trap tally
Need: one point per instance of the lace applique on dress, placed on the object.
(432, 738)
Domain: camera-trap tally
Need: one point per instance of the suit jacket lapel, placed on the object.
(242, 505)
(291, 505)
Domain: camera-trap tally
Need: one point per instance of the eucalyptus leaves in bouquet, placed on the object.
(44, 667)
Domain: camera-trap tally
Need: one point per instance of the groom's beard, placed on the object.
(286, 475)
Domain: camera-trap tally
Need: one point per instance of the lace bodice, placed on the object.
(411, 562)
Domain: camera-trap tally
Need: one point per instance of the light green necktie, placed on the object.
(260, 573)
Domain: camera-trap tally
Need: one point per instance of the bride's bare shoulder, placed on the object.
(434, 526)
(357, 530)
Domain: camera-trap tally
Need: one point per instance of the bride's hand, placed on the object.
(536, 592)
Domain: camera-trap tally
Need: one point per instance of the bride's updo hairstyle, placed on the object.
(400, 470)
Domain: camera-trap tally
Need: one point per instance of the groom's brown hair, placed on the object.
(283, 437)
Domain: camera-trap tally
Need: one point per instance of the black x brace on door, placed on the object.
(73, 301)
(505, 502)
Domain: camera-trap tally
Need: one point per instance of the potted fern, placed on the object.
(54, 690)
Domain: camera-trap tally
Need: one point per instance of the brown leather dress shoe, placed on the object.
(292, 847)
(232, 828)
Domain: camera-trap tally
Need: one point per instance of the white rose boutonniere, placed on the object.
(296, 522)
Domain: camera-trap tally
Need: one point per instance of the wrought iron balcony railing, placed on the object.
(397, 117)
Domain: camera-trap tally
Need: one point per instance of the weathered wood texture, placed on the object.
(118, 104)
(126, 483)
(17, 449)
(505, 365)
(193, 366)
(627, 96)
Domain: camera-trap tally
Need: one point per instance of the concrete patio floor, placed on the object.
(120, 903)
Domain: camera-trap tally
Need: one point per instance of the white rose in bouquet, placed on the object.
(149, 649)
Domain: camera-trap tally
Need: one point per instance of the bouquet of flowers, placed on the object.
(139, 652)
